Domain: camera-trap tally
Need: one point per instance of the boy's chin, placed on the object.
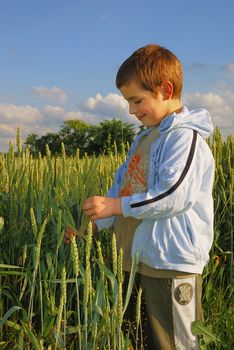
(149, 125)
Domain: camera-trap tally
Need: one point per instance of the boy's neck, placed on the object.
(175, 106)
(178, 110)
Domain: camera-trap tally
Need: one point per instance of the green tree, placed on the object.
(108, 132)
(76, 134)
(90, 139)
(32, 142)
(53, 140)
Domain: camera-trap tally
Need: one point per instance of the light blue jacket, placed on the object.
(176, 231)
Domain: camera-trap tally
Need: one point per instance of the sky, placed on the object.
(59, 58)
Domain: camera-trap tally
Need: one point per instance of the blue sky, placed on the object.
(59, 58)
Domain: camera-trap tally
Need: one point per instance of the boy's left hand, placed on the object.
(98, 207)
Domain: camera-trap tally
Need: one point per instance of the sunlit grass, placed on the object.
(57, 296)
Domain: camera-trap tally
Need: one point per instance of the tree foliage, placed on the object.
(89, 139)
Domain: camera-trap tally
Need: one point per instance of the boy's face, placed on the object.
(147, 108)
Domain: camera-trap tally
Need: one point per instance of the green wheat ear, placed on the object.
(19, 141)
(1, 223)
(138, 307)
(75, 256)
(63, 299)
(89, 241)
(99, 251)
(33, 222)
(120, 305)
(120, 266)
(114, 255)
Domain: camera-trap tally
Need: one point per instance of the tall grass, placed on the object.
(54, 296)
(218, 278)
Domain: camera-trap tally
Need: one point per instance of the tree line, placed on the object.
(89, 139)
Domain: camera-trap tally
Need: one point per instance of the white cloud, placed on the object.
(7, 131)
(4, 144)
(54, 110)
(53, 114)
(208, 100)
(110, 106)
(220, 106)
(10, 113)
(29, 119)
(86, 117)
(98, 108)
(10, 131)
(50, 118)
(43, 120)
(54, 93)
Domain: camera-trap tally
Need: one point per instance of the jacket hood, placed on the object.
(197, 119)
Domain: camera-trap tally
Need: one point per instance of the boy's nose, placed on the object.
(132, 110)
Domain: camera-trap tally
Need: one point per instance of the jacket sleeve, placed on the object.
(178, 179)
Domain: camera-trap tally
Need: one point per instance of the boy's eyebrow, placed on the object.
(131, 98)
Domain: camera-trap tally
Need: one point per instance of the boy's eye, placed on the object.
(138, 101)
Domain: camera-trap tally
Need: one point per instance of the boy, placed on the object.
(161, 200)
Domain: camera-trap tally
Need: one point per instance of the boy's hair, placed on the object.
(150, 66)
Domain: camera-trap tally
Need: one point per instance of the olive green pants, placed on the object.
(169, 308)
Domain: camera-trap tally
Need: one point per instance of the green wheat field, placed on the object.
(54, 296)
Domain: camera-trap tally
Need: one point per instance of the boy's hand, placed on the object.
(70, 232)
(102, 207)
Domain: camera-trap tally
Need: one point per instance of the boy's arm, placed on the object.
(172, 193)
(106, 218)
(178, 182)
(104, 221)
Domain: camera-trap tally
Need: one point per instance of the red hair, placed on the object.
(150, 66)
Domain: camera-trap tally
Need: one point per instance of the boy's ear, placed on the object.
(167, 90)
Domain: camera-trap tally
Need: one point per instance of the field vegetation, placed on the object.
(54, 296)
